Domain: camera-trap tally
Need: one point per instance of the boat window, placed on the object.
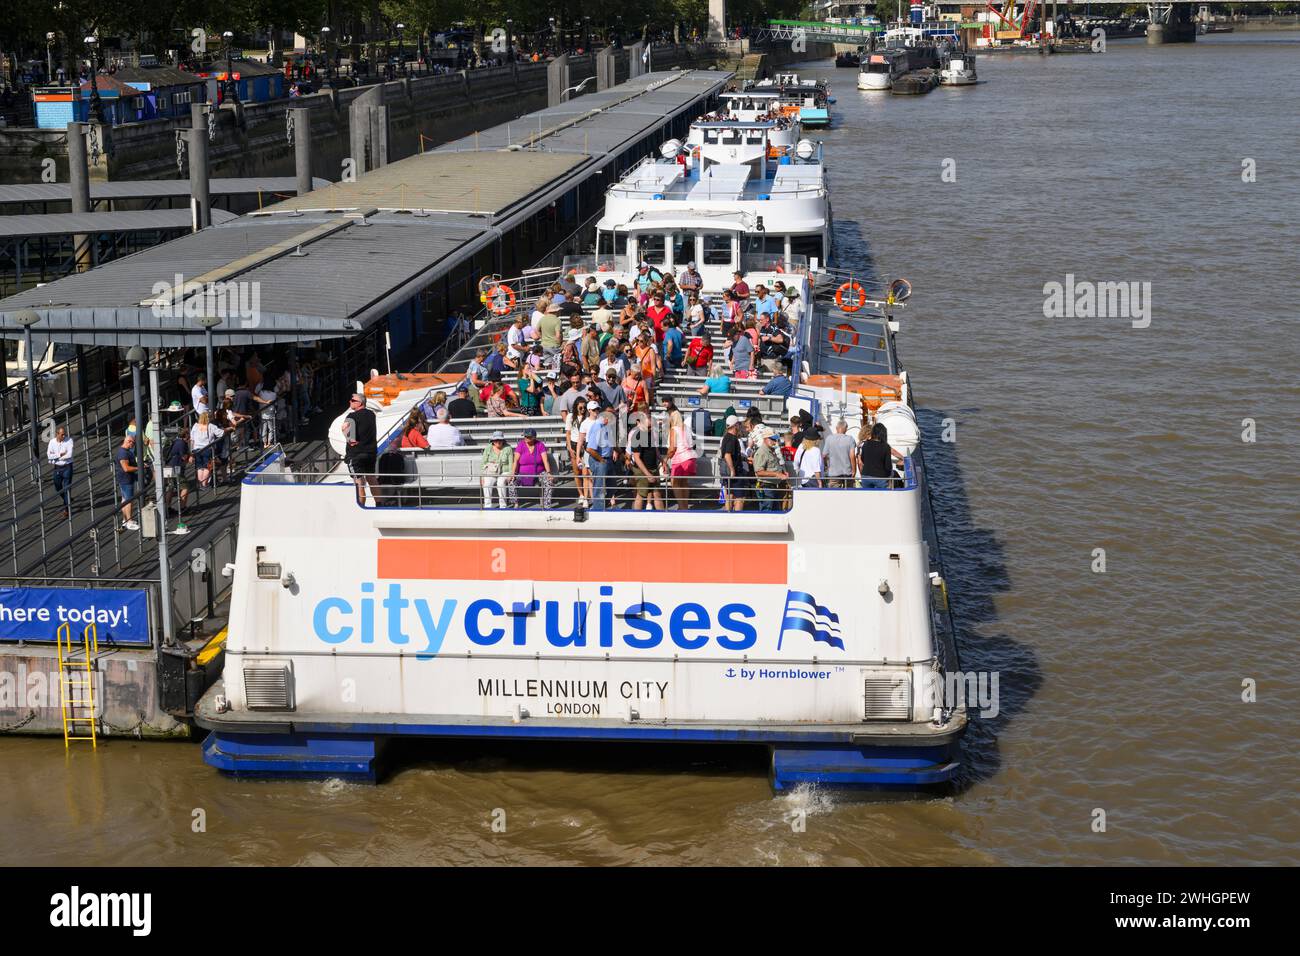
(604, 243)
(765, 244)
(653, 247)
(810, 247)
(717, 249)
(683, 248)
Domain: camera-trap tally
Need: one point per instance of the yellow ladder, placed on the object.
(77, 683)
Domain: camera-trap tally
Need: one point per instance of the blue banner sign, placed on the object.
(34, 614)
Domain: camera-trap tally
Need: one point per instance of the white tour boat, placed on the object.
(815, 625)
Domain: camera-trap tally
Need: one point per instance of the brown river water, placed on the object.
(1120, 691)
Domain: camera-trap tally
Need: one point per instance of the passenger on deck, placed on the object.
(610, 293)
(875, 457)
(360, 433)
(674, 345)
(730, 467)
(699, 355)
(516, 339)
(696, 317)
(643, 464)
(774, 340)
(658, 313)
(647, 357)
(496, 466)
(442, 433)
(574, 436)
(600, 448)
(550, 329)
(739, 288)
(414, 429)
(792, 310)
(681, 459)
(769, 472)
(780, 384)
(764, 304)
(613, 362)
(742, 354)
(808, 460)
(611, 392)
(690, 280)
(570, 396)
(592, 297)
(718, 382)
(838, 450)
(627, 316)
(539, 310)
(532, 469)
(500, 402)
(732, 313)
(590, 349)
(637, 388)
(529, 385)
(603, 316)
(460, 406)
(476, 374)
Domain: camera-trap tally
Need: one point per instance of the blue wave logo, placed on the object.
(803, 614)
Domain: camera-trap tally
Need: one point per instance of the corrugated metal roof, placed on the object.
(152, 189)
(67, 223)
(354, 267)
(478, 183)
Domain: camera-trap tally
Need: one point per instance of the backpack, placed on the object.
(701, 421)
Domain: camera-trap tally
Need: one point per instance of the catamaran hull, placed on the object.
(841, 756)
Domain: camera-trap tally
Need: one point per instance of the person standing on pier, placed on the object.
(59, 453)
(126, 472)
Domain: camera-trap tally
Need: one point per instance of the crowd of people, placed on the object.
(593, 352)
(199, 428)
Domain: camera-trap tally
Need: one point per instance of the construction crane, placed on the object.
(1013, 24)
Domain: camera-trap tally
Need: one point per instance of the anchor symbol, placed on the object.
(731, 672)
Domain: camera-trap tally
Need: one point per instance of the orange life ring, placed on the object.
(857, 293)
(495, 302)
(841, 347)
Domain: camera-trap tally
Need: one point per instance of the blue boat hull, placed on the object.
(355, 751)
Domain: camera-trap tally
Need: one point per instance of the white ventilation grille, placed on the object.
(887, 697)
(268, 686)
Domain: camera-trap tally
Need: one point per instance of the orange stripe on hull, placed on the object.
(652, 562)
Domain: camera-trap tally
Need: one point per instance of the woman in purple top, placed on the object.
(531, 462)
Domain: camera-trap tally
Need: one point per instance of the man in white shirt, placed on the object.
(443, 434)
(59, 453)
(199, 395)
(515, 337)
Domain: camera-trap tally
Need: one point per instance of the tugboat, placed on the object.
(958, 69)
(881, 68)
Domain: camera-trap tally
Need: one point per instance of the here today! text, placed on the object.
(424, 625)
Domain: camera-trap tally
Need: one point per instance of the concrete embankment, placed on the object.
(251, 140)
